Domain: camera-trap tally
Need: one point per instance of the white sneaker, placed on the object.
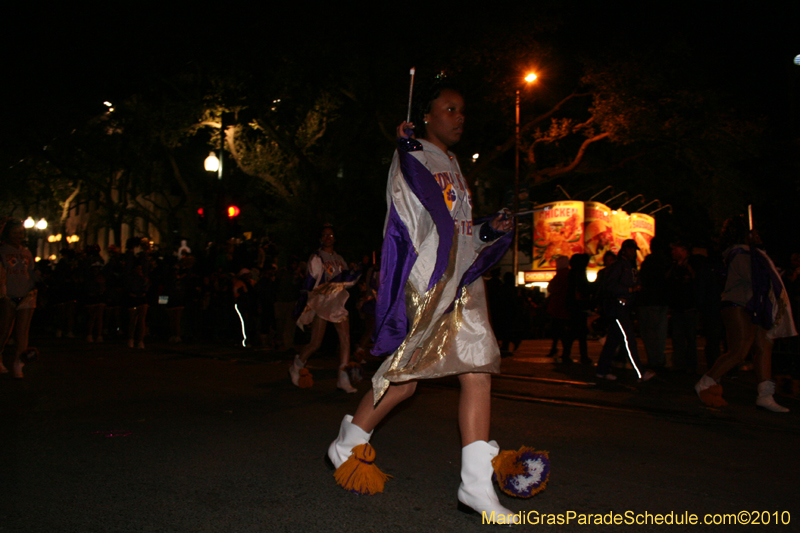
(647, 376)
(294, 370)
(765, 399)
(609, 377)
(344, 382)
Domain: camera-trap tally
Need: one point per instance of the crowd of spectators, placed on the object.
(677, 296)
(178, 295)
(174, 295)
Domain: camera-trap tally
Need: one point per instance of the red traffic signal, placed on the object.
(200, 212)
(233, 211)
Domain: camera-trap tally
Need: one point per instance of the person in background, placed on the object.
(755, 310)
(579, 303)
(557, 305)
(16, 308)
(94, 294)
(137, 283)
(653, 304)
(681, 283)
(326, 284)
(245, 301)
(618, 293)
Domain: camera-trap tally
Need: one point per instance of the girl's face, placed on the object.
(445, 122)
(17, 235)
(327, 238)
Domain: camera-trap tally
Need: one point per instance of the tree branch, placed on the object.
(65, 205)
(511, 141)
(549, 173)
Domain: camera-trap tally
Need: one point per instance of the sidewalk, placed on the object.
(531, 375)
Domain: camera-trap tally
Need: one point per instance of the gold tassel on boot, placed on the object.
(359, 474)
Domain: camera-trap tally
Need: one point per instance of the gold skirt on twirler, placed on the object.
(442, 344)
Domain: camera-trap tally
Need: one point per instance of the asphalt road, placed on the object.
(100, 438)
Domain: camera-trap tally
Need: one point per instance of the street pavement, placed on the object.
(211, 438)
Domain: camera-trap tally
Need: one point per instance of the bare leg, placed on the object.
(368, 415)
(7, 313)
(95, 320)
(100, 314)
(741, 334)
(343, 329)
(132, 313)
(762, 355)
(21, 326)
(141, 316)
(317, 333)
(474, 407)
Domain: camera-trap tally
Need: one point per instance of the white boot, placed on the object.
(765, 391)
(477, 491)
(294, 370)
(705, 382)
(344, 382)
(350, 436)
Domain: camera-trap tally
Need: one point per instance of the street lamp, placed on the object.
(211, 163)
(528, 78)
(29, 223)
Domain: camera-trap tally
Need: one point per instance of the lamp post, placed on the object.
(213, 163)
(529, 78)
(41, 225)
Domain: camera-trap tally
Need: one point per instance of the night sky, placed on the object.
(65, 59)
(63, 62)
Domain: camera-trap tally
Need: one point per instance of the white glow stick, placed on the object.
(410, 92)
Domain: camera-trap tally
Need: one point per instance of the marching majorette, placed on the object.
(431, 314)
(324, 301)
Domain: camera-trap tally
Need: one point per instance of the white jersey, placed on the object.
(450, 332)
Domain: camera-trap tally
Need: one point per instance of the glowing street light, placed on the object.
(529, 78)
(29, 223)
(211, 163)
(42, 224)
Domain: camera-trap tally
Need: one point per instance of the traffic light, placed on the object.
(233, 211)
(201, 219)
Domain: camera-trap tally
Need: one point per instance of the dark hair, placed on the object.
(11, 224)
(579, 261)
(734, 231)
(424, 97)
(133, 242)
(325, 226)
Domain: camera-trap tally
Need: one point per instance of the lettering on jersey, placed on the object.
(463, 227)
(453, 186)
